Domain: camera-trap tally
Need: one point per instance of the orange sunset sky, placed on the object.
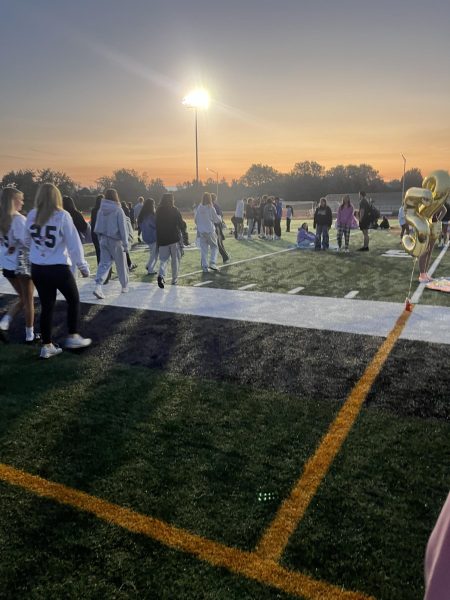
(94, 86)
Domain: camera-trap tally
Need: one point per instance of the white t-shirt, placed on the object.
(55, 243)
(13, 239)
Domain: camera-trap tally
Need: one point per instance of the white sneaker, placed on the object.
(125, 290)
(49, 350)
(213, 267)
(76, 341)
(98, 292)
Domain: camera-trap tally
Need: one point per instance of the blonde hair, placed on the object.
(48, 199)
(112, 194)
(7, 208)
(206, 198)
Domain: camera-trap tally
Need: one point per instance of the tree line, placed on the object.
(307, 181)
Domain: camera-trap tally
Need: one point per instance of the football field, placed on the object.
(279, 431)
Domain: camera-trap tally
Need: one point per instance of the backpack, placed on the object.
(148, 229)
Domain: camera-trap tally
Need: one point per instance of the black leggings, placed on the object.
(48, 279)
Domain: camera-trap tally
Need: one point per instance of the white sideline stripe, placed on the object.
(419, 291)
(239, 262)
(352, 294)
(202, 283)
(296, 290)
(248, 286)
(427, 323)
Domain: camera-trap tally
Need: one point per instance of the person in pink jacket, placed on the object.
(344, 221)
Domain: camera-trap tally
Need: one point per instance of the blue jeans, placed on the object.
(322, 236)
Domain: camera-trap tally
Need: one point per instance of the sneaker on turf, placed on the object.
(74, 342)
(363, 249)
(49, 350)
(161, 282)
(36, 339)
(98, 292)
(125, 290)
(213, 267)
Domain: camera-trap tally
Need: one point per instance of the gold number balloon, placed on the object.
(421, 204)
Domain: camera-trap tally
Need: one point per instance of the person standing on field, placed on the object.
(136, 210)
(171, 233)
(364, 220)
(112, 231)
(14, 261)
(219, 231)
(54, 245)
(278, 217)
(323, 219)
(239, 219)
(344, 221)
(205, 219)
(147, 224)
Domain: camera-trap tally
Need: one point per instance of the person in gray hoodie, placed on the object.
(112, 232)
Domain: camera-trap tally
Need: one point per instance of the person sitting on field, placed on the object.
(384, 223)
(304, 238)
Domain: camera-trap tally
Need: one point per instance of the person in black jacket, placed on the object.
(171, 235)
(323, 218)
(78, 220)
(94, 236)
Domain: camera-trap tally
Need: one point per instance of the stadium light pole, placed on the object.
(196, 99)
(404, 171)
(217, 181)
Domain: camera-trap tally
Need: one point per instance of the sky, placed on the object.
(91, 86)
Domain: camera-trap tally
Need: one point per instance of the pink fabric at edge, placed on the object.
(437, 558)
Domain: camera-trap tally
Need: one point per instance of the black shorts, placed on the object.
(9, 274)
(364, 225)
(268, 223)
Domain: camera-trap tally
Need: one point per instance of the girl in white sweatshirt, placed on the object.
(14, 261)
(54, 244)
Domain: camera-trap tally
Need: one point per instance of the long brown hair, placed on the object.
(48, 200)
(112, 194)
(7, 208)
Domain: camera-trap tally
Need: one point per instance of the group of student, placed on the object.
(346, 220)
(44, 250)
(263, 217)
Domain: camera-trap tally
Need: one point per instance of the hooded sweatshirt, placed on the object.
(111, 222)
(205, 217)
(345, 215)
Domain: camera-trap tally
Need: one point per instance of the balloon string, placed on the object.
(411, 279)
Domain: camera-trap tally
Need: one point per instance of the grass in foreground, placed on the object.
(199, 454)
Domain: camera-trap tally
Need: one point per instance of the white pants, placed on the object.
(165, 252)
(153, 258)
(208, 240)
(111, 250)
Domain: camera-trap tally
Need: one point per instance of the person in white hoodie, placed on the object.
(14, 261)
(54, 245)
(205, 219)
(111, 229)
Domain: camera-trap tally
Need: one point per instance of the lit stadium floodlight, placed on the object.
(196, 99)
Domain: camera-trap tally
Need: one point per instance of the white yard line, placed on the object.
(352, 294)
(248, 286)
(202, 283)
(415, 299)
(239, 262)
(296, 290)
(365, 317)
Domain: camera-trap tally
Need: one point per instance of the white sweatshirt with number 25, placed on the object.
(55, 243)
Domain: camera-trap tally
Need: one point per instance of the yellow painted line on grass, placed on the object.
(292, 510)
(247, 564)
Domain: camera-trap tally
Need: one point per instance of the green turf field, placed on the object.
(214, 459)
(168, 454)
(374, 276)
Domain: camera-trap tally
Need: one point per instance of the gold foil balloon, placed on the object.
(421, 205)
